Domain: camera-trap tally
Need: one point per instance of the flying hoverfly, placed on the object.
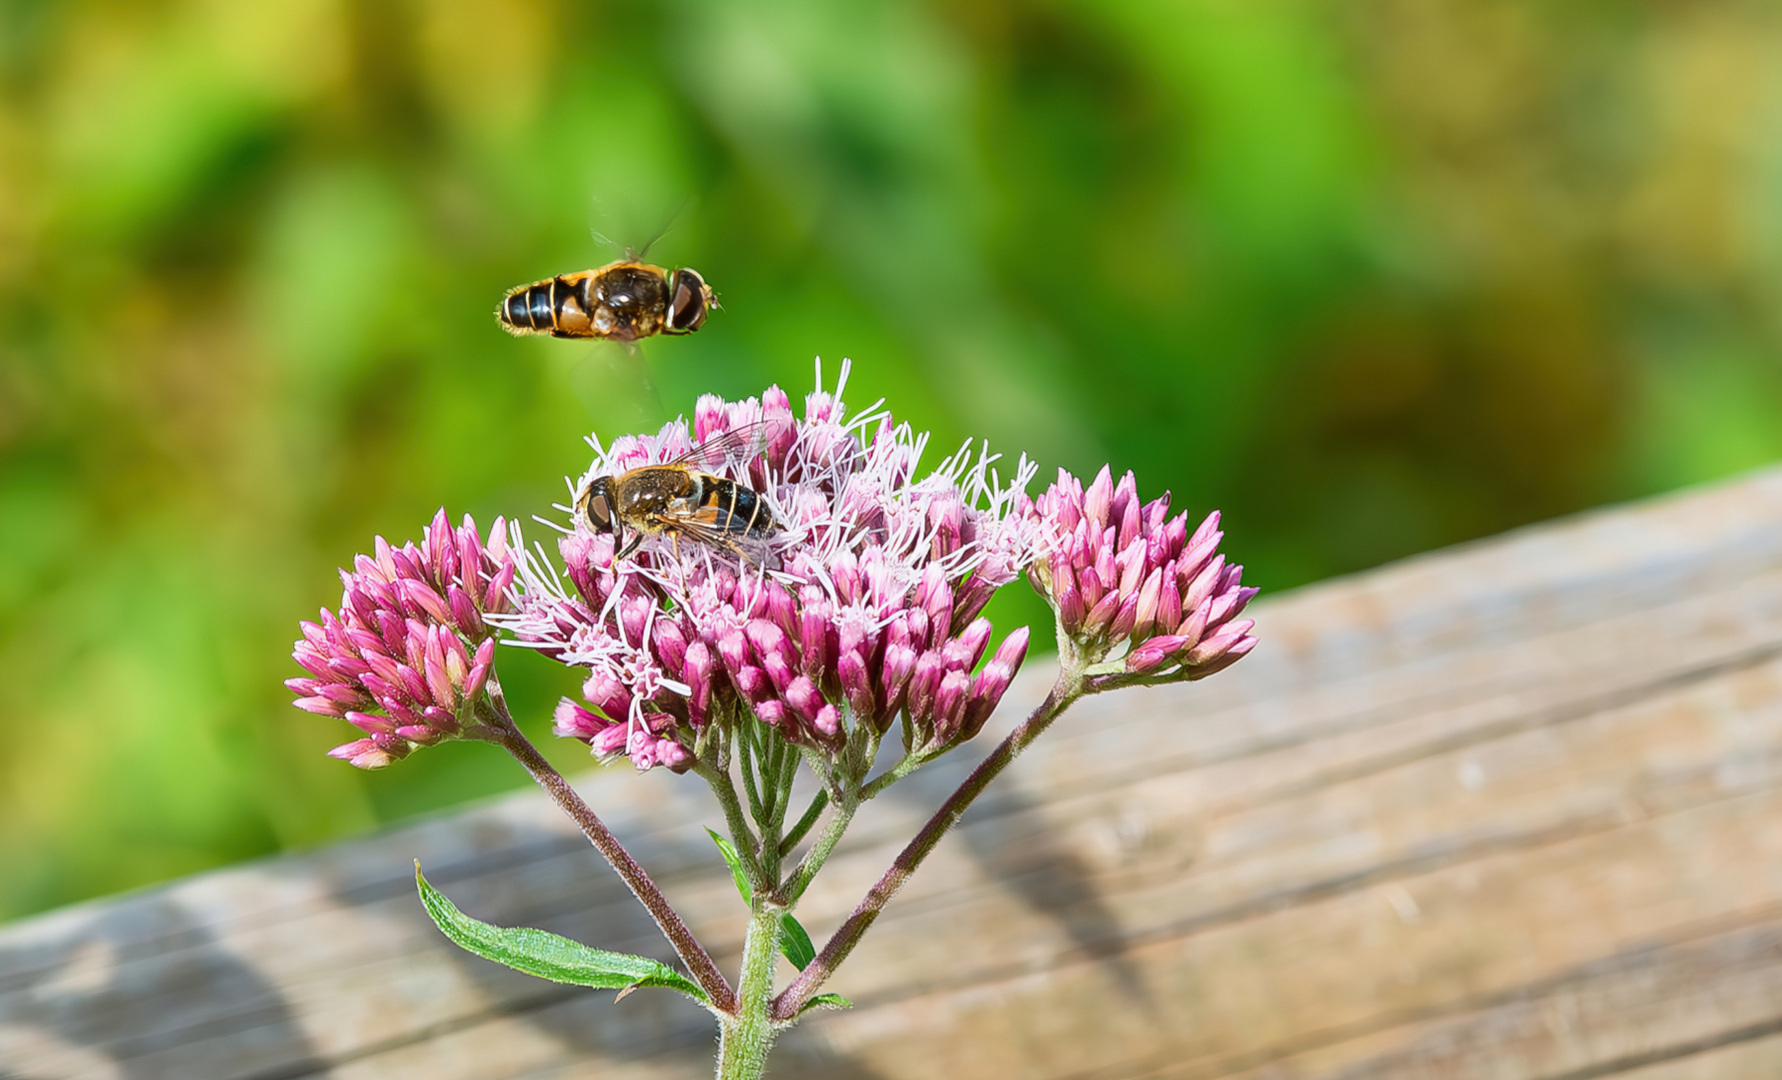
(621, 301)
(676, 499)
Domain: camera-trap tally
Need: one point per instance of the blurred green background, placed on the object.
(1373, 277)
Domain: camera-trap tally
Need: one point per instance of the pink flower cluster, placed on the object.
(1124, 572)
(865, 609)
(410, 651)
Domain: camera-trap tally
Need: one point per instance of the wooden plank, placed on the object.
(1643, 1011)
(1217, 994)
(1447, 802)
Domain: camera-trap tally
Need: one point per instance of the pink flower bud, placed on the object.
(672, 755)
(1091, 587)
(1196, 623)
(610, 742)
(1202, 585)
(856, 685)
(916, 623)
(754, 684)
(900, 664)
(709, 417)
(947, 516)
(570, 720)
(340, 693)
(465, 617)
(975, 638)
(924, 681)
(1169, 602)
(1097, 498)
(771, 712)
(1145, 612)
(778, 671)
(733, 649)
(607, 694)
(1107, 571)
(1231, 656)
(670, 645)
(384, 667)
(634, 615)
(801, 694)
(814, 629)
(780, 607)
(363, 754)
(428, 601)
(1096, 622)
(949, 704)
(767, 639)
(413, 684)
(1150, 656)
(1215, 647)
(641, 749)
(697, 672)
(1010, 653)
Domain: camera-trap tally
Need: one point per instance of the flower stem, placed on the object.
(745, 752)
(747, 846)
(814, 859)
(1065, 691)
(908, 764)
(745, 1035)
(811, 814)
(505, 733)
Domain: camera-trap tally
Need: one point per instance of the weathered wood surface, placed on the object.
(1512, 810)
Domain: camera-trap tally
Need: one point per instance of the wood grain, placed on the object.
(1509, 810)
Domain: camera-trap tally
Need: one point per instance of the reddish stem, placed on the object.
(699, 962)
(841, 943)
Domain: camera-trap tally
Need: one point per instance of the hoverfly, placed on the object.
(621, 301)
(679, 500)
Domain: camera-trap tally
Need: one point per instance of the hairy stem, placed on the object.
(740, 834)
(800, 878)
(772, 753)
(746, 1035)
(908, 764)
(783, 786)
(1065, 691)
(504, 732)
(746, 754)
(811, 814)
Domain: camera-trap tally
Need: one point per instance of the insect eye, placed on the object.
(686, 311)
(596, 507)
(600, 515)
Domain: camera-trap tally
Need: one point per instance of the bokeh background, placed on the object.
(1373, 277)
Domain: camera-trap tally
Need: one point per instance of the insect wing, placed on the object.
(718, 527)
(728, 448)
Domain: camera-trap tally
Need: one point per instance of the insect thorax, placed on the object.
(650, 489)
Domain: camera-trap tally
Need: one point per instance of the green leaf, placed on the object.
(826, 1001)
(736, 866)
(795, 943)
(550, 956)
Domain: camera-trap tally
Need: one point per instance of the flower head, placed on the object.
(865, 609)
(410, 652)
(1124, 573)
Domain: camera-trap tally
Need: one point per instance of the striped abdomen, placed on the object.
(557, 306)
(738, 509)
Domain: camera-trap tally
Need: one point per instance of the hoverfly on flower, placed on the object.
(676, 499)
